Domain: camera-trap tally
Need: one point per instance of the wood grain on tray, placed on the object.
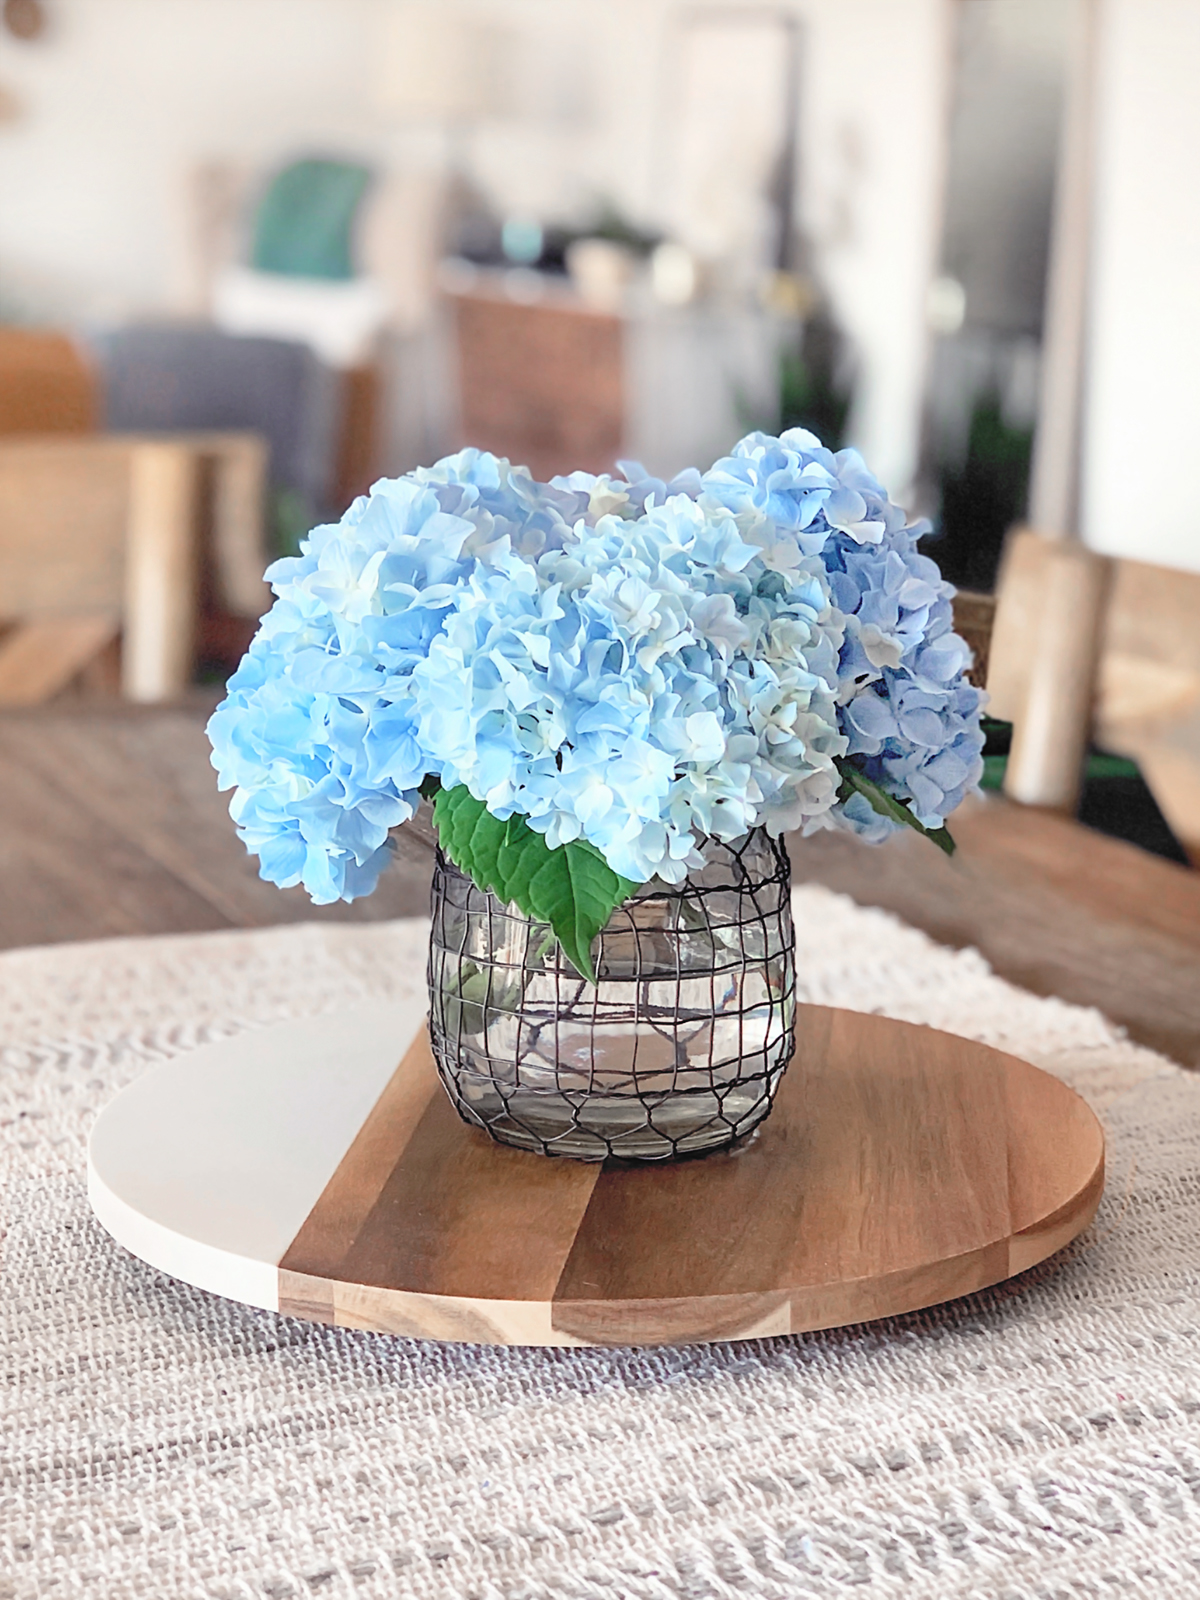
(900, 1167)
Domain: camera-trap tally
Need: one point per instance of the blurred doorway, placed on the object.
(986, 306)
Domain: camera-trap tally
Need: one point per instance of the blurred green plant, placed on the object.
(813, 393)
(290, 519)
(982, 498)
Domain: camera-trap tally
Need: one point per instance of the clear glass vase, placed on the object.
(678, 1047)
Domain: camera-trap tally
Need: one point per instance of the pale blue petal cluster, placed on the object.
(624, 660)
(904, 703)
(639, 681)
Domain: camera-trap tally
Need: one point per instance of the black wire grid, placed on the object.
(678, 1047)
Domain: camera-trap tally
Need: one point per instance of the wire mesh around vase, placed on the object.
(678, 1048)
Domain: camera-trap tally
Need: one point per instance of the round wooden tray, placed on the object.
(298, 1168)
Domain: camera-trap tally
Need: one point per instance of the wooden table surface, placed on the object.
(111, 824)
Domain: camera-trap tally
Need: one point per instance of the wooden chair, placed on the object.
(46, 386)
(102, 539)
(1085, 646)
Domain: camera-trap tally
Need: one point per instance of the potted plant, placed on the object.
(618, 694)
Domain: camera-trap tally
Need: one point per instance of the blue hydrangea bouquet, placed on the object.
(592, 677)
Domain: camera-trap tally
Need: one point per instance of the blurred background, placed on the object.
(570, 229)
(255, 253)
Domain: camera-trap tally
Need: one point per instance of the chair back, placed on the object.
(1089, 646)
(46, 385)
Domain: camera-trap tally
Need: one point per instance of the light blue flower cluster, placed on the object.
(911, 717)
(630, 662)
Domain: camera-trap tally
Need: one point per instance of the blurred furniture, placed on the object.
(1090, 637)
(1087, 645)
(96, 541)
(397, 235)
(1051, 601)
(558, 385)
(46, 385)
(321, 425)
(300, 282)
(541, 384)
(358, 440)
(322, 254)
(974, 619)
(181, 377)
(339, 321)
(102, 547)
(304, 222)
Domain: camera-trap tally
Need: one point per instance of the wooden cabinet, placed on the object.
(542, 384)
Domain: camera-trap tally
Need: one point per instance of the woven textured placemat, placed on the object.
(1041, 1439)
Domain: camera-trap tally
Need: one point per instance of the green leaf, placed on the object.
(454, 821)
(518, 861)
(483, 838)
(572, 888)
(887, 805)
(576, 892)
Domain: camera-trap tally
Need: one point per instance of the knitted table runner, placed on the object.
(1041, 1439)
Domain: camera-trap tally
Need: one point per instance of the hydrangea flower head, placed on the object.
(909, 714)
(631, 662)
(639, 678)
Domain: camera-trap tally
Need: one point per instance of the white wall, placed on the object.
(123, 97)
(1142, 421)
